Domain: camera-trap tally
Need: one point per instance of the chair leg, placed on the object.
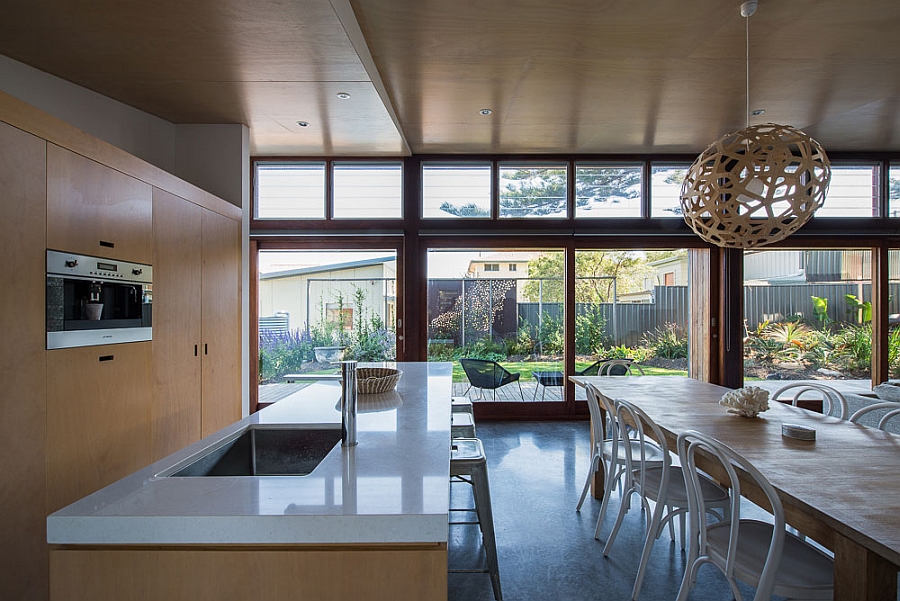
(610, 481)
(595, 463)
(653, 531)
(521, 394)
(620, 516)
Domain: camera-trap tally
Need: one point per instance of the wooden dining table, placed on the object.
(842, 490)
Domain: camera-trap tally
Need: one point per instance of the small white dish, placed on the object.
(798, 432)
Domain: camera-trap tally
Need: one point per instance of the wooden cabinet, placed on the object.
(98, 418)
(95, 210)
(23, 368)
(176, 323)
(196, 323)
(221, 322)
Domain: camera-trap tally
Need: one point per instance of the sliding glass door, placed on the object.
(317, 307)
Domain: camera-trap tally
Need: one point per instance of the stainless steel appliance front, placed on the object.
(92, 301)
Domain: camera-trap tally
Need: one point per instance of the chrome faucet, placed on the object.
(347, 378)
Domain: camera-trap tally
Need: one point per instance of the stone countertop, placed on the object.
(391, 488)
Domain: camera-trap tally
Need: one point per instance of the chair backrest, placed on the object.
(594, 368)
(689, 443)
(633, 418)
(892, 410)
(619, 367)
(833, 402)
(598, 403)
(483, 373)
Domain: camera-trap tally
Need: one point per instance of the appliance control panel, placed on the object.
(82, 266)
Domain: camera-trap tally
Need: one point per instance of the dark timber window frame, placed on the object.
(716, 274)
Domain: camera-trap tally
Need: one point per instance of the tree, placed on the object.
(468, 210)
(533, 192)
(606, 184)
(894, 195)
(541, 191)
(596, 273)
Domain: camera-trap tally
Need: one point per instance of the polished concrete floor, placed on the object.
(546, 549)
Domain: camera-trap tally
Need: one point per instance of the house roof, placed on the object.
(307, 271)
(572, 76)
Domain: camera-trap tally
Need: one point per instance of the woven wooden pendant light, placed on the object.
(755, 186)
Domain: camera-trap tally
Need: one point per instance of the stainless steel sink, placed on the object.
(264, 451)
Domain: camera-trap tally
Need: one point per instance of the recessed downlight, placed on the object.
(758, 112)
(343, 95)
(303, 123)
(485, 111)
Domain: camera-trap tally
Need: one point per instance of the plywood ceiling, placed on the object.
(568, 76)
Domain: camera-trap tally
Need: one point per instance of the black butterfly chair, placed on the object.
(488, 375)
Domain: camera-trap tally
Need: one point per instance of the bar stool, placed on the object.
(467, 461)
(461, 404)
(462, 425)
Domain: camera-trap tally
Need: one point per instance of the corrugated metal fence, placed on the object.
(626, 324)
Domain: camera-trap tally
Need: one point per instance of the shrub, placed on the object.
(853, 347)
(440, 351)
(370, 339)
(667, 341)
(283, 353)
(550, 337)
(894, 351)
(590, 330)
(623, 352)
(482, 349)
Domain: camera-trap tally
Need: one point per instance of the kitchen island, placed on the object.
(369, 521)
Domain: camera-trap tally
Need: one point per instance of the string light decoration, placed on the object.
(757, 185)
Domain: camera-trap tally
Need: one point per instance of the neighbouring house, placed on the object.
(308, 295)
(501, 265)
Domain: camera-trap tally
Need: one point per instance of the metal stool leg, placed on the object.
(467, 459)
(486, 519)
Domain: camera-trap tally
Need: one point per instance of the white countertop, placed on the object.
(391, 488)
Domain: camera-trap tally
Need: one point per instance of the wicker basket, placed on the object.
(374, 380)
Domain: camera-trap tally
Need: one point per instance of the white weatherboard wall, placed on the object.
(215, 158)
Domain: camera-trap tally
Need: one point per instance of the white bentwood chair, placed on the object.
(605, 432)
(892, 410)
(833, 402)
(619, 367)
(758, 553)
(662, 483)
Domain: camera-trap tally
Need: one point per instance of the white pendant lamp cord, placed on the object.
(748, 8)
(747, 56)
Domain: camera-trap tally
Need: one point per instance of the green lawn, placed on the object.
(526, 367)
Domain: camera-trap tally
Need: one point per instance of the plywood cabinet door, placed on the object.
(177, 241)
(23, 368)
(221, 380)
(95, 210)
(98, 418)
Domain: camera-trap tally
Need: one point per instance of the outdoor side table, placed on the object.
(545, 379)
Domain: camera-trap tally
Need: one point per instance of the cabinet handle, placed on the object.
(107, 244)
(195, 350)
(205, 349)
(107, 357)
